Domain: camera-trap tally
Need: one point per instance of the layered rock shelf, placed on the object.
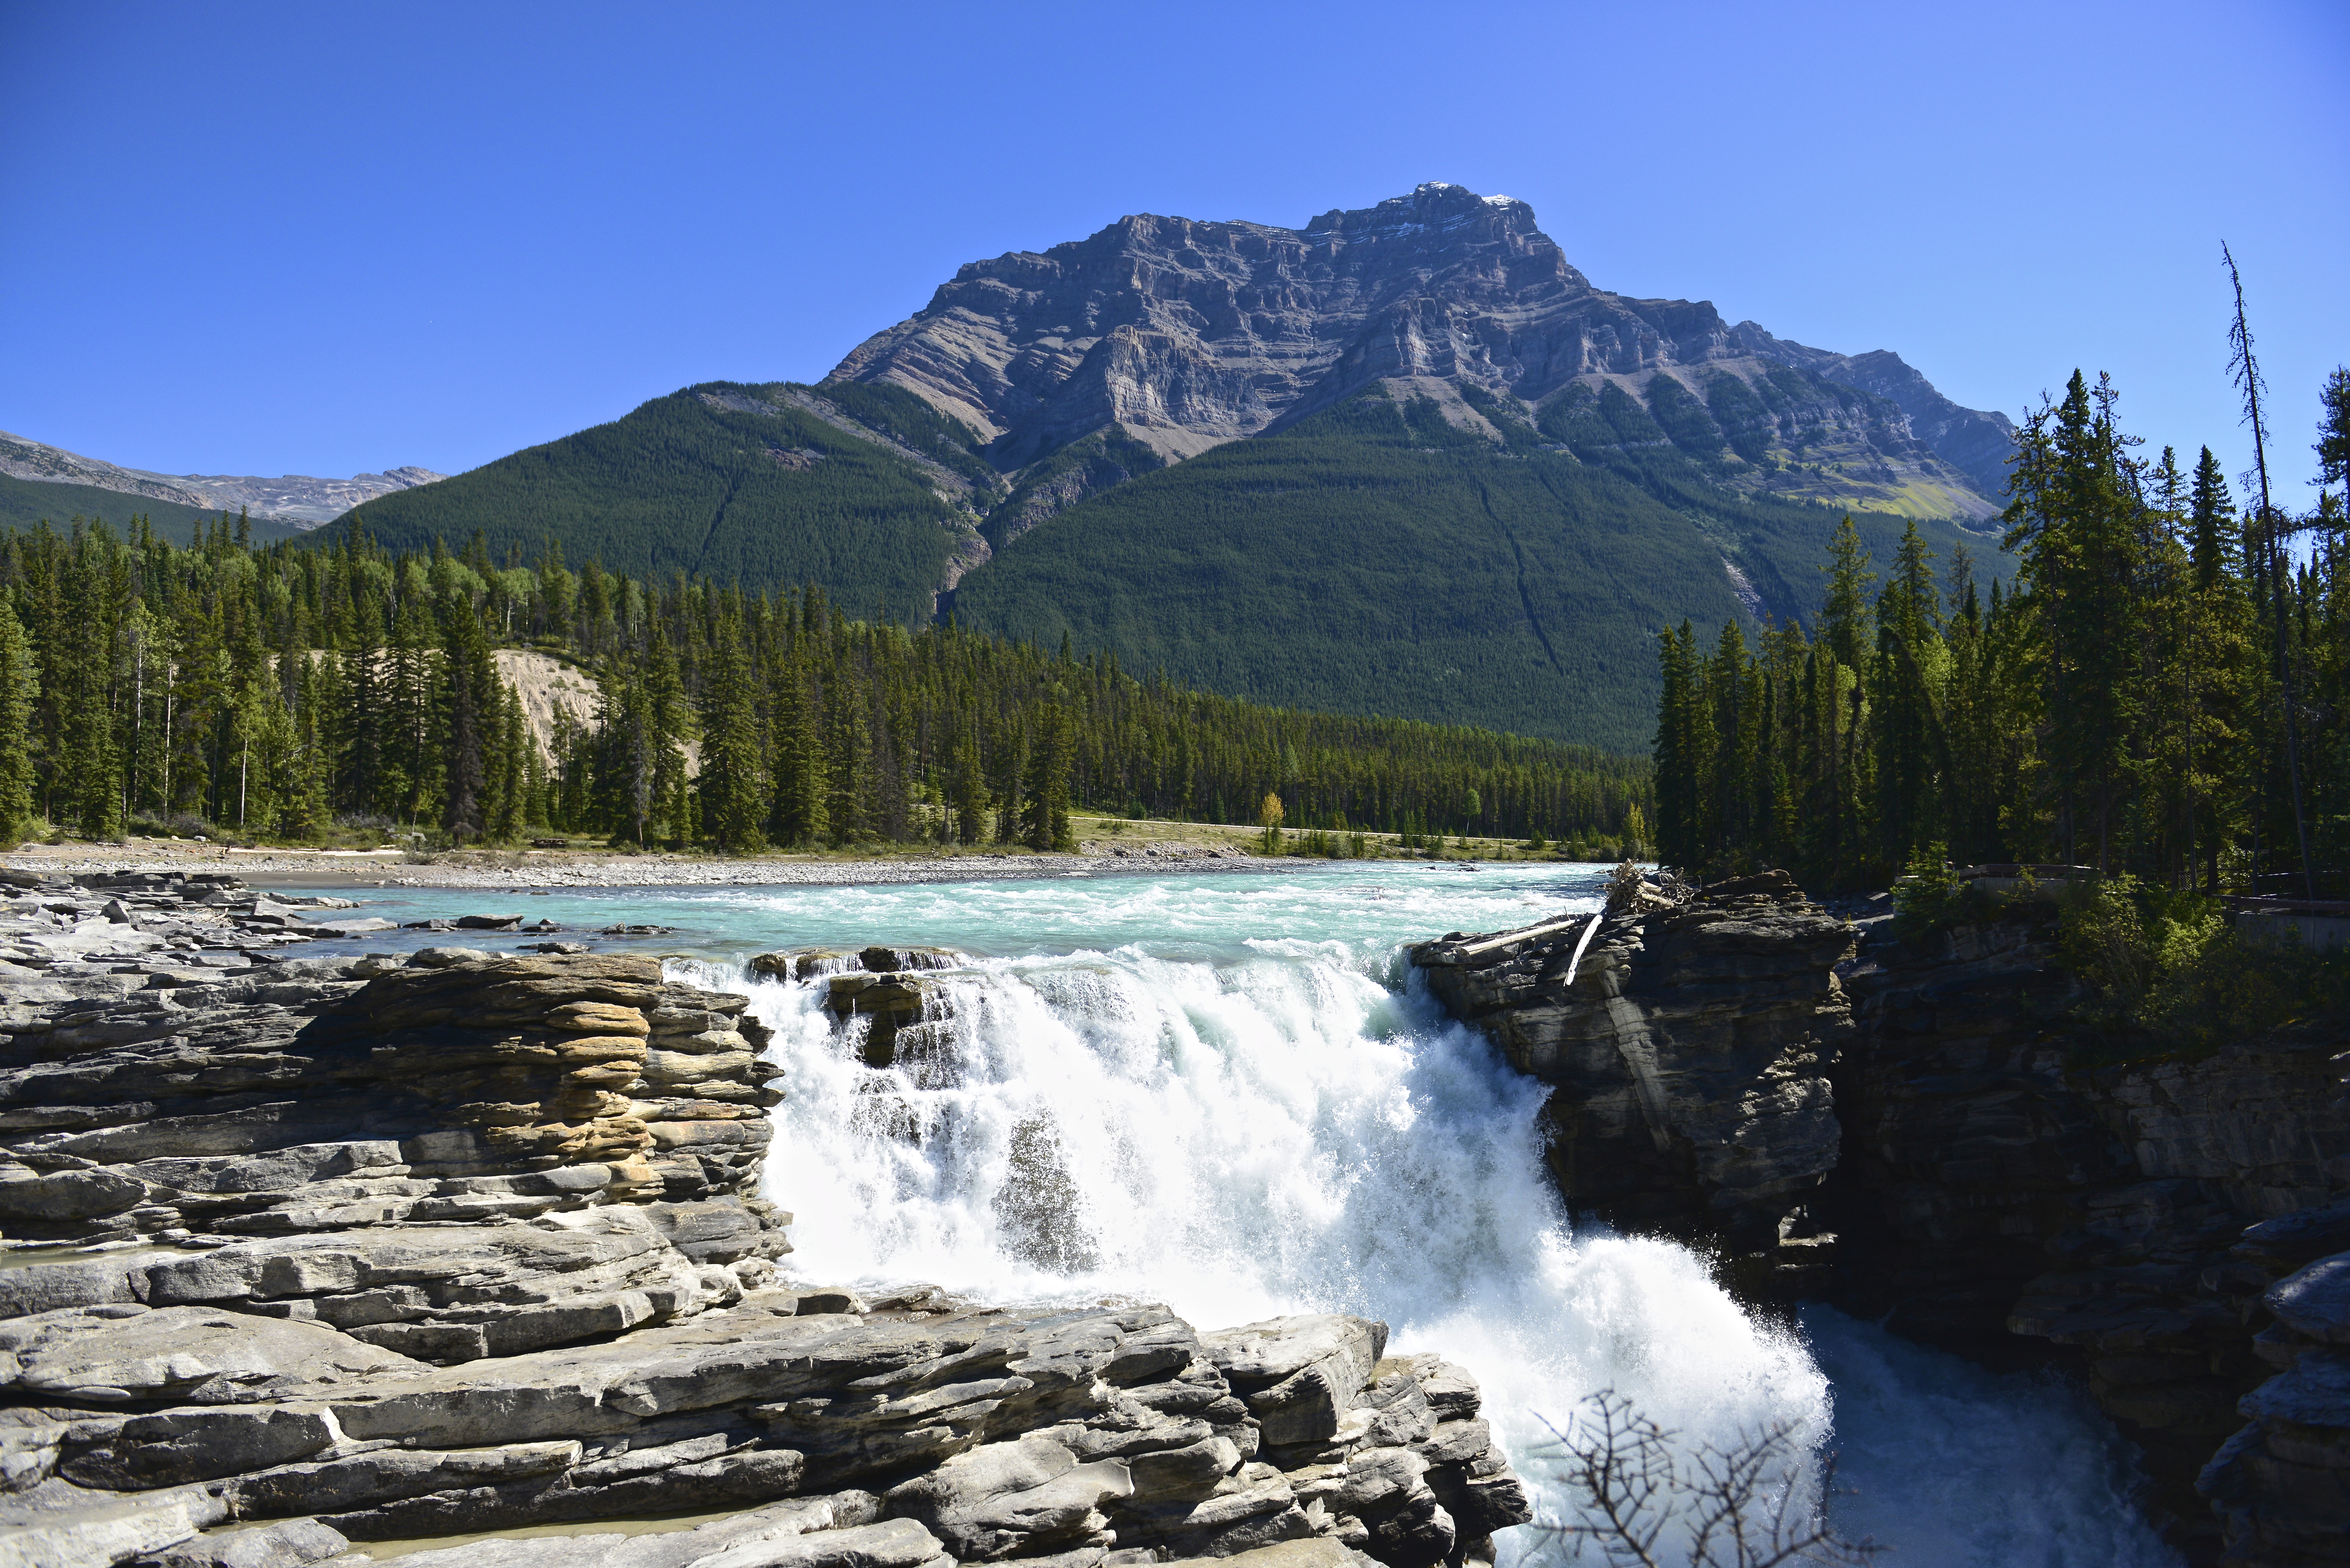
(315, 1253)
(1905, 1127)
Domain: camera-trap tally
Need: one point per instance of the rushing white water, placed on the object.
(1224, 1093)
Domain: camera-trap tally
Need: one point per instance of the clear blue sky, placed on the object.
(320, 239)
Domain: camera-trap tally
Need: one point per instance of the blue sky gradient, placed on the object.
(263, 239)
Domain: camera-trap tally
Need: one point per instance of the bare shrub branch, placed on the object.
(1748, 1504)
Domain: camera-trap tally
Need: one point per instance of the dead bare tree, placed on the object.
(2272, 563)
(1748, 1504)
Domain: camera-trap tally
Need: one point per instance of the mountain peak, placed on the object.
(1183, 334)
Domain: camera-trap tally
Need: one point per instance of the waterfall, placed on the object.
(1286, 1125)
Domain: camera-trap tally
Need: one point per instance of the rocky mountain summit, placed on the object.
(297, 498)
(1906, 1127)
(312, 1251)
(1182, 334)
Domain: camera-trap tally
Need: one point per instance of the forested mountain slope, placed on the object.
(1379, 558)
(762, 484)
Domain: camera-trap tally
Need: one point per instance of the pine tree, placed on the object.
(509, 800)
(1680, 746)
(799, 810)
(2211, 515)
(670, 721)
(1911, 663)
(969, 791)
(19, 689)
(1045, 819)
(1013, 810)
(470, 727)
(848, 757)
(733, 782)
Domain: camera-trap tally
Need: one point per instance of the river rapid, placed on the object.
(1227, 1092)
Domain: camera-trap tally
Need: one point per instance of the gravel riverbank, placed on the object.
(591, 868)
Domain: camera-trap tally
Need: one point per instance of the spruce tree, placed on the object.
(668, 718)
(472, 719)
(1906, 693)
(20, 687)
(2210, 515)
(969, 790)
(733, 782)
(1045, 822)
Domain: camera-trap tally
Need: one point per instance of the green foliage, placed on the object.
(1087, 466)
(271, 690)
(694, 484)
(1683, 418)
(2165, 972)
(2121, 938)
(20, 683)
(2209, 995)
(2121, 708)
(1571, 418)
(1375, 559)
(1744, 420)
(906, 418)
(1929, 897)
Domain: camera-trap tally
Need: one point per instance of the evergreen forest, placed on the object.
(1379, 558)
(281, 692)
(769, 485)
(2161, 696)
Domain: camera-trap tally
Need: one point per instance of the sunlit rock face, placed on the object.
(1187, 334)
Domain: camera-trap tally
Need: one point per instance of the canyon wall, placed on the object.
(1914, 1130)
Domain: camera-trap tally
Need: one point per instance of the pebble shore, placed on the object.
(575, 869)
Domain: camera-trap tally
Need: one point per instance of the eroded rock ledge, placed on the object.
(1688, 1047)
(401, 1249)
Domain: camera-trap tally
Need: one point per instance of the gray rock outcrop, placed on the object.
(451, 1158)
(977, 1435)
(73, 938)
(1688, 1045)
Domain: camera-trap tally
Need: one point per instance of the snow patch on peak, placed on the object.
(1504, 202)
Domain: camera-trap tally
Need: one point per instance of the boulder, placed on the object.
(2314, 1301)
(68, 1195)
(1003, 1499)
(172, 1448)
(1299, 1376)
(105, 1529)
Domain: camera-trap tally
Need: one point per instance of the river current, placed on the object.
(1226, 1091)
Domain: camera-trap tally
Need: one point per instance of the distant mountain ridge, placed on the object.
(1182, 334)
(301, 499)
